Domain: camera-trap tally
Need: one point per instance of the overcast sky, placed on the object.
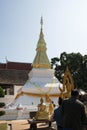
(64, 28)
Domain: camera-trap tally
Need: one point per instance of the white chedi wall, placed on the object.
(41, 81)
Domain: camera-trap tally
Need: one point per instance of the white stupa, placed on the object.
(41, 82)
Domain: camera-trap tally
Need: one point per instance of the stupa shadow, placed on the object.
(25, 129)
(46, 128)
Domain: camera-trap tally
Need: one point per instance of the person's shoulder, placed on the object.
(79, 102)
(56, 109)
(65, 100)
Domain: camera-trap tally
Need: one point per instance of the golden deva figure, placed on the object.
(68, 84)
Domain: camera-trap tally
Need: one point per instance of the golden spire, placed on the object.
(41, 60)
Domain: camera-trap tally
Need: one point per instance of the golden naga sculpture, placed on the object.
(68, 84)
(42, 111)
(47, 97)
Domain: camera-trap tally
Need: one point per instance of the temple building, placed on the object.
(13, 76)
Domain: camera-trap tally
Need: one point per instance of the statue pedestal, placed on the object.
(42, 115)
(33, 123)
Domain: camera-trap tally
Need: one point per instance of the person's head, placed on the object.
(60, 101)
(75, 93)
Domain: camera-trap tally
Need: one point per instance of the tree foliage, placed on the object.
(77, 65)
(2, 94)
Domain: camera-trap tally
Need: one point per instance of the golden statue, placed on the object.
(51, 108)
(68, 85)
(42, 112)
(41, 106)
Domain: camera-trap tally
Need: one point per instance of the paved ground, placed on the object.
(23, 125)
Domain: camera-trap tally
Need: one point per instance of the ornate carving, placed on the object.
(68, 84)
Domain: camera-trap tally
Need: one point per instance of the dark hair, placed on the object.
(75, 93)
(60, 100)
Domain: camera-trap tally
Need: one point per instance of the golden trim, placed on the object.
(41, 49)
(43, 95)
(41, 66)
(37, 95)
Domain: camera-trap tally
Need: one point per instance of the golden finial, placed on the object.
(41, 21)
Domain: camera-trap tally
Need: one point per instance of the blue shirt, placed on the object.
(58, 116)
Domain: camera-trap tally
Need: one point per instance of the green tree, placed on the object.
(2, 94)
(2, 104)
(77, 65)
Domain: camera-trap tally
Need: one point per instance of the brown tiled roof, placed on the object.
(19, 66)
(2, 65)
(16, 66)
(17, 77)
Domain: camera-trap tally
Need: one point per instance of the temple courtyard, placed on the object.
(24, 125)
